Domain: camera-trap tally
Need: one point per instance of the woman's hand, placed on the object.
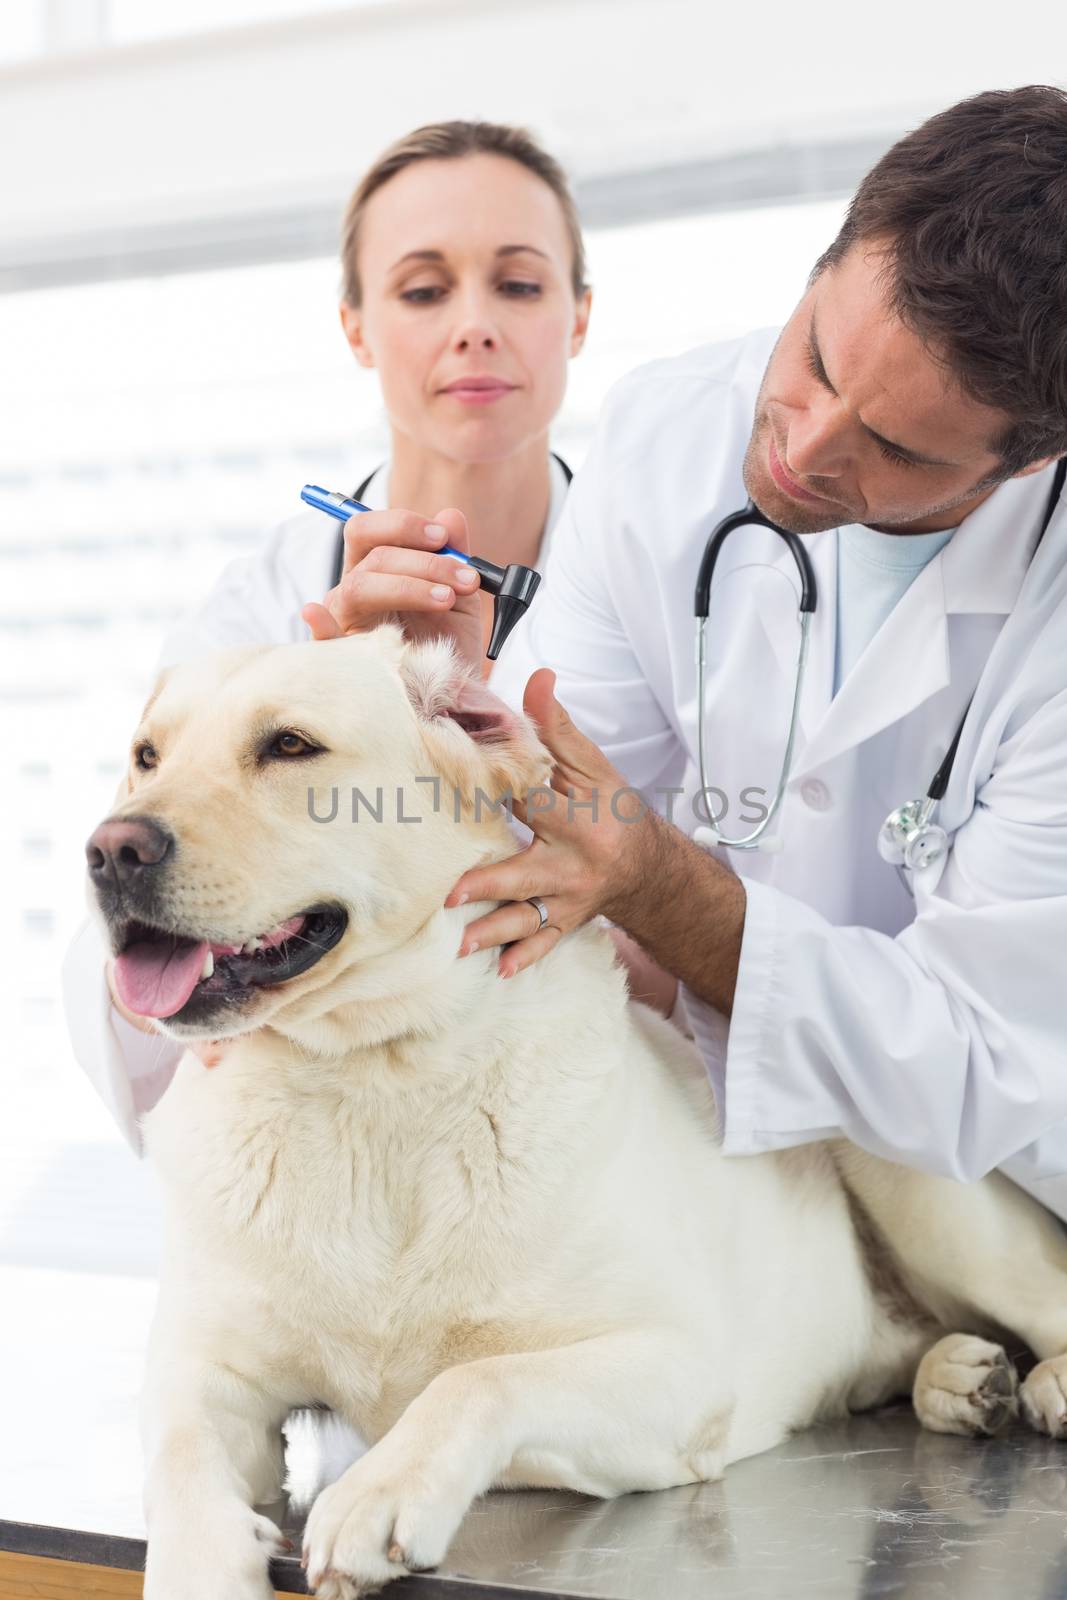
(594, 843)
(393, 573)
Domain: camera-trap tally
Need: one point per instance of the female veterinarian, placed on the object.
(907, 424)
(464, 286)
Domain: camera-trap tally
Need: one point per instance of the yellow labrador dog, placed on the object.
(487, 1222)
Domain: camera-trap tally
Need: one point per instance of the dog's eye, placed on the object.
(291, 744)
(145, 757)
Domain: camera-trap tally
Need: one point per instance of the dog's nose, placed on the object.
(123, 850)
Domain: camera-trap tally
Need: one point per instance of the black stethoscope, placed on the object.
(909, 837)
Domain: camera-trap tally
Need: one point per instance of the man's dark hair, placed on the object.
(972, 207)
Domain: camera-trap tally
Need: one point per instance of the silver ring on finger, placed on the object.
(542, 911)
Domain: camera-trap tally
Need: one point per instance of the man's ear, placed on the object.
(1036, 466)
(473, 739)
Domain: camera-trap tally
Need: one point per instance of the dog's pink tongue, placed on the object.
(156, 979)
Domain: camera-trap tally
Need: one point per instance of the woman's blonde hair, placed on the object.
(448, 141)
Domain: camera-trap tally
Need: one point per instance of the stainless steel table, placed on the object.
(873, 1508)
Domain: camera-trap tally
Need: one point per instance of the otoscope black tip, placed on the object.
(506, 613)
(512, 598)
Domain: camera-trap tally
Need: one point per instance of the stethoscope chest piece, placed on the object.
(908, 838)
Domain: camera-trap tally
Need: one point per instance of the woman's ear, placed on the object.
(581, 321)
(474, 739)
(354, 332)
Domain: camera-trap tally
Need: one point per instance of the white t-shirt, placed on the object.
(874, 571)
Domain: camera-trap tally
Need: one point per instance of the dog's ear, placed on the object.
(474, 739)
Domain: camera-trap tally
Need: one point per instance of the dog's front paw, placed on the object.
(1044, 1397)
(379, 1521)
(224, 1550)
(965, 1385)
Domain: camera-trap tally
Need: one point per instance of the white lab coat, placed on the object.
(932, 1032)
(257, 600)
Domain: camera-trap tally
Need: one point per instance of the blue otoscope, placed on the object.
(512, 587)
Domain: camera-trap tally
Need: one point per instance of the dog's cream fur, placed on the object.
(487, 1221)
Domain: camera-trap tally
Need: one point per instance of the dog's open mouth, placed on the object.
(163, 974)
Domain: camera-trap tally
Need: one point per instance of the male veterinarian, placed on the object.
(906, 423)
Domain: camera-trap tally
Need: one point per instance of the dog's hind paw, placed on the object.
(965, 1385)
(1044, 1397)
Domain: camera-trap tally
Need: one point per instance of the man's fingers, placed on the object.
(522, 955)
(516, 920)
(572, 750)
(539, 698)
(514, 879)
(320, 621)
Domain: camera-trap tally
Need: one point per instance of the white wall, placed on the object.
(285, 114)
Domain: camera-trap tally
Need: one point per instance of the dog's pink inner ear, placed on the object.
(440, 689)
(480, 713)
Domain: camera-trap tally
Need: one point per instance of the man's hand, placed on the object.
(597, 849)
(592, 834)
(393, 573)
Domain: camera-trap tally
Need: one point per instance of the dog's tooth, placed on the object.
(209, 965)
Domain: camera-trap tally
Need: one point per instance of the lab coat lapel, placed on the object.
(904, 664)
(979, 571)
(784, 640)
